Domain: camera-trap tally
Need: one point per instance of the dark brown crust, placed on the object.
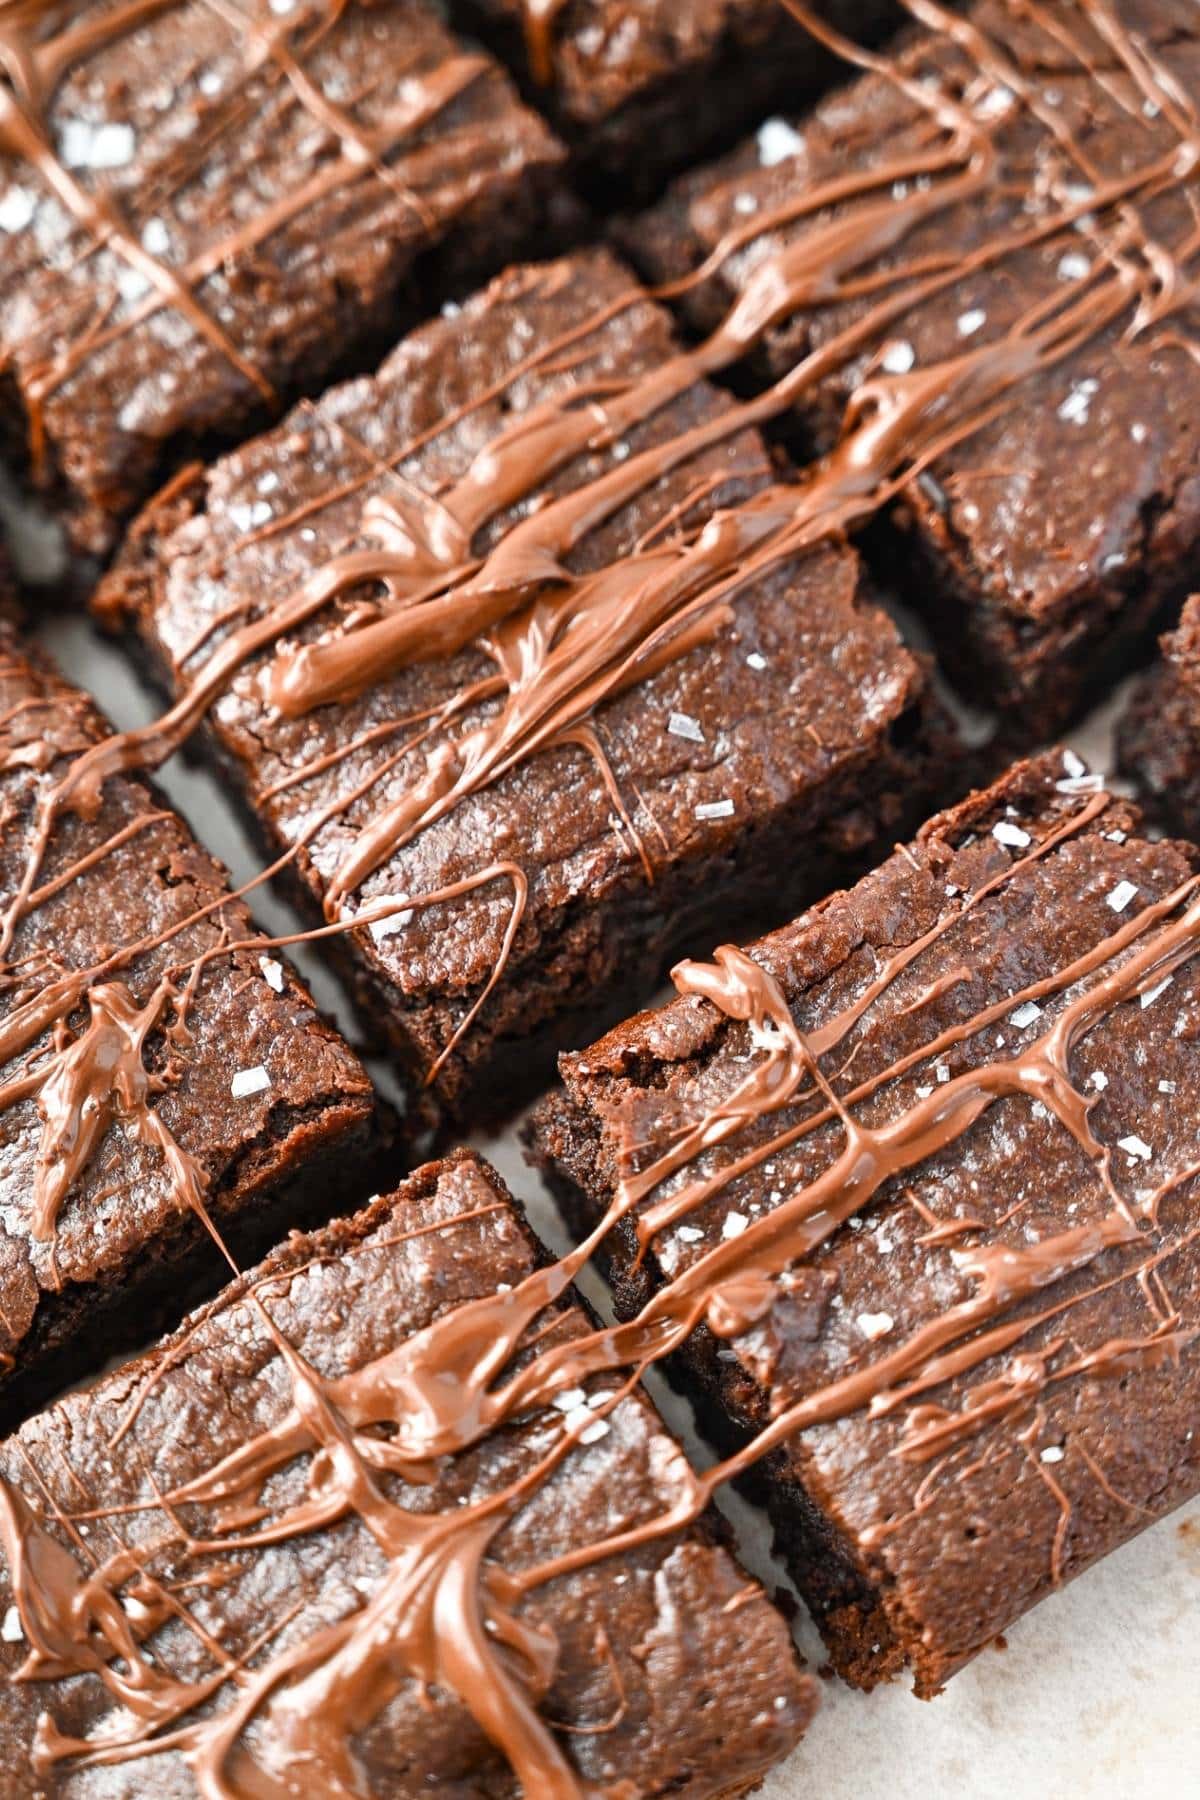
(702, 1720)
(1045, 550)
(307, 313)
(959, 1569)
(1158, 737)
(795, 770)
(312, 1146)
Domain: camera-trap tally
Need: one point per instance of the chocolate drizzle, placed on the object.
(559, 643)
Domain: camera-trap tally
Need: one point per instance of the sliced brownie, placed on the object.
(514, 637)
(925, 1162)
(1158, 737)
(637, 91)
(158, 1063)
(206, 208)
(233, 1565)
(995, 224)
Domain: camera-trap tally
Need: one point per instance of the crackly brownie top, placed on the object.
(519, 629)
(926, 1161)
(196, 198)
(147, 1067)
(266, 1548)
(1025, 176)
(598, 55)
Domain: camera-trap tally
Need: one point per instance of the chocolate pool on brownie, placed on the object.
(503, 621)
(207, 207)
(1158, 737)
(159, 1062)
(637, 91)
(1004, 207)
(277, 1554)
(925, 1163)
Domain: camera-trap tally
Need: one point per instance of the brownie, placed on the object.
(206, 209)
(162, 1063)
(924, 1163)
(1158, 735)
(991, 233)
(755, 760)
(638, 92)
(235, 1548)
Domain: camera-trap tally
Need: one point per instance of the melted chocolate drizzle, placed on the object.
(560, 644)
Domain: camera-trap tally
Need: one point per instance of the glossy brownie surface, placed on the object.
(1013, 1304)
(801, 714)
(205, 208)
(662, 1666)
(971, 193)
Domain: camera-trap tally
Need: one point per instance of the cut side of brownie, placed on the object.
(925, 1163)
(1008, 199)
(1158, 737)
(208, 208)
(254, 1560)
(638, 92)
(497, 625)
(161, 1064)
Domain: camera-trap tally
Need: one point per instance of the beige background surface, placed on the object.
(1096, 1694)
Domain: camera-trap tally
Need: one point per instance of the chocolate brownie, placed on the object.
(924, 1163)
(991, 232)
(255, 1560)
(638, 91)
(207, 208)
(161, 1064)
(1158, 736)
(501, 619)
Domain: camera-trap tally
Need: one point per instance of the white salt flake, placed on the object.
(1053, 1453)
(11, 1631)
(394, 922)
(1166, 1087)
(570, 1400)
(1074, 765)
(1011, 835)
(1116, 837)
(83, 145)
(591, 1434)
(994, 104)
(682, 725)
(17, 207)
(1121, 895)
(155, 237)
(971, 321)
(272, 972)
(1138, 432)
(735, 1224)
(246, 518)
(1136, 1147)
(689, 1234)
(715, 809)
(249, 1081)
(875, 1325)
(923, 1093)
(756, 661)
(1073, 266)
(942, 1072)
(1074, 409)
(1098, 1080)
(777, 140)
(1150, 995)
(1025, 1014)
(898, 357)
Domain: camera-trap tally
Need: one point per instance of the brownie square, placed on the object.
(150, 1071)
(207, 209)
(753, 764)
(1158, 736)
(228, 1549)
(637, 92)
(927, 1159)
(1008, 200)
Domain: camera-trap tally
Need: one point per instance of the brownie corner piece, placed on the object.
(1158, 734)
(163, 1065)
(587, 786)
(206, 210)
(294, 1593)
(1047, 543)
(919, 1162)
